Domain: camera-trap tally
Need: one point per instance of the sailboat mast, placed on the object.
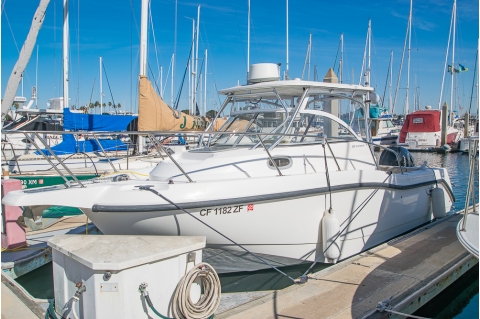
(101, 93)
(408, 56)
(453, 59)
(341, 58)
(174, 54)
(286, 68)
(36, 81)
(190, 69)
(446, 61)
(196, 64)
(205, 86)
(309, 55)
(143, 37)
(473, 82)
(65, 53)
(390, 104)
(248, 41)
(369, 48)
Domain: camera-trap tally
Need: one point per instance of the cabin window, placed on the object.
(281, 162)
(418, 120)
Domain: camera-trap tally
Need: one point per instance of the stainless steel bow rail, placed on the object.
(161, 149)
(472, 153)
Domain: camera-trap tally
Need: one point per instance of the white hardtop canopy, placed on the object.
(294, 88)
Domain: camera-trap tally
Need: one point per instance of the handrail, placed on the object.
(472, 153)
(258, 135)
(13, 152)
(59, 161)
(270, 156)
(105, 153)
(49, 161)
(175, 162)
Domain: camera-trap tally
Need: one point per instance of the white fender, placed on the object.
(330, 229)
(438, 202)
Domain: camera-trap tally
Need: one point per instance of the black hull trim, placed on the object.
(263, 198)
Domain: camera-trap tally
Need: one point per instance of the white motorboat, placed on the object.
(281, 178)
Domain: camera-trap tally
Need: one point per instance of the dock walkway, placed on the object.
(411, 269)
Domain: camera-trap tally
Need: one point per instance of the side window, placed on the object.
(281, 162)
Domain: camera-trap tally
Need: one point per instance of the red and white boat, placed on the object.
(422, 131)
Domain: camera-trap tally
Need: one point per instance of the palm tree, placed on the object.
(104, 105)
(97, 104)
(109, 105)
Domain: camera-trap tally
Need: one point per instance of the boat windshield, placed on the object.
(248, 123)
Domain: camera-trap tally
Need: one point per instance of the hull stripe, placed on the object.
(262, 198)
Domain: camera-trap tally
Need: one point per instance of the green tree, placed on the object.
(119, 105)
(211, 114)
(109, 105)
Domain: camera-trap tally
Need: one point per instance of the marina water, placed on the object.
(460, 300)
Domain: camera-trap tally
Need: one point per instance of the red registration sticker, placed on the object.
(249, 207)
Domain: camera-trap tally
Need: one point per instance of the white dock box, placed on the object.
(112, 267)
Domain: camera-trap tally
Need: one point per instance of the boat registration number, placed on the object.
(222, 210)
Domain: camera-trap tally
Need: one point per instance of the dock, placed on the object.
(404, 273)
(411, 269)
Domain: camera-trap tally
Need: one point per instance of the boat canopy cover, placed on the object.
(155, 115)
(420, 121)
(95, 122)
(70, 145)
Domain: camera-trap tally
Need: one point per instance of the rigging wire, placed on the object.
(155, 46)
(177, 100)
(148, 188)
(13, 36)
(109, 88)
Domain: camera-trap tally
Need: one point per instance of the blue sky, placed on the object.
(110, 28)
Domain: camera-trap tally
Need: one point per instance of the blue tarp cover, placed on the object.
(95, 122)
(70, 146)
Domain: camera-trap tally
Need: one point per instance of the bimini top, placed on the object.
(294, 88)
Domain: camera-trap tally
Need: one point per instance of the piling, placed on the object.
(444, 124)
(466, 123)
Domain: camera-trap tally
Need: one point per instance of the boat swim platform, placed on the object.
(412, 269)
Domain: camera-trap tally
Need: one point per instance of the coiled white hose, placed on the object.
(183, 307)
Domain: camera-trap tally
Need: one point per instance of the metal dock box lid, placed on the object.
(111, 267)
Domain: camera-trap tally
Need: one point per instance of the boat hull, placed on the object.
(286, 223)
